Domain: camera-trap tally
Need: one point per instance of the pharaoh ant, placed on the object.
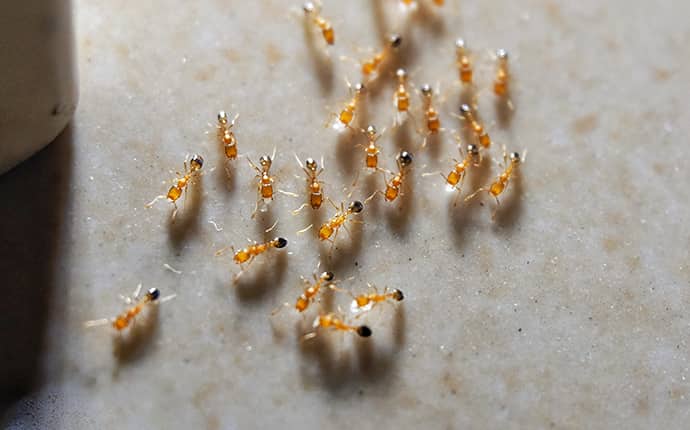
(196, 162)
(344, 119)
(313, 11)
(335, 322)
(456, 177)
(394, 185)
(314, 185)
(498, 186)
(248, 254)
(136, 306)
(266, 181)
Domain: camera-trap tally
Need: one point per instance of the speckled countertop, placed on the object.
(569, 311)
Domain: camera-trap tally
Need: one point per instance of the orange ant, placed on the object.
(456, 177)
(365, 302)
(196, 162)
(331, 227)
(311, 290)
(501, 182)
(371, 149)
(462, 60)
(248, 254)
(266, 181)
(126, 318)
(502, 74)
(394, 186)
(347, 114)
(313, 184)
(314, 12)
(478, 129)
(433, 121)
(334, 322)
(401, 98)
(371, 67)
(226, 135)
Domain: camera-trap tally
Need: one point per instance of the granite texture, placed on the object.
(566, 312)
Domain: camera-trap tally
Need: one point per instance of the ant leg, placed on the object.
(474, 194)
(298, 210)
(493, 214)
(153, 202)
(305, 229)
(256, 209)
(372, 196)
(333, 204)
(287, 193)
(279, 308)
(268, 230)
(174, 213)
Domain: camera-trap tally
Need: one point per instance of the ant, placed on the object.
(502, 74)
(332, 321)
(248, 254)
(347, 114)
(393, 187)
(367, 301)
(478, 129)
(331, 227)
(196, 162)
(433, 121)
(456, 177)
(371, 67)
(314, 12)
(266, 181)
(501, 182)
(136, 306)
(371, 150)
(226, 135)
(463, 61)
(313, 184)
(311, 290)
(401, 98)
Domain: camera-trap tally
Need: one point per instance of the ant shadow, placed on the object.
(261, 278)
(321, 60)
(510, 209)
(434, 143)
(186, 222)
(402, 134)
(468, 95)
(344, 371)
(139, 338)
(226, 176)
(428, 18)
(264, 220)
(505, 110)
(379, 19)
(29, 262)
(399, 215)
(345, 151)
(460, 213)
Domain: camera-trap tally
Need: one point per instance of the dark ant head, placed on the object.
(265, 161)
(196, 162)
(281, 242)
(465, 109)
(426, 90)
(473, 149)
(356, 207)
(153, 294)
(222, 117)
(327, 276)
(311, 164)
(398, 295)
(514, 156)
(404, 158)
(359, 87)
(364, 331)
(395, 40)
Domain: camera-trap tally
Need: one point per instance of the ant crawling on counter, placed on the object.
(456, 177)
(335, 322)
(310, 292)
(478, 128)
(501, 182)
(226, 136)
(266, 181)
(433, 121)
(502, 78)
(136, 306)
(366, 301)
(394, 185)
(196, 162)
(344, 119)
(312, 11)
(401, 98)
(248, 255)
(372, 66)
(329, 230)
(314, 185)
(463, 62)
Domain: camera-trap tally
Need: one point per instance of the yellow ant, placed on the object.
(310, 292)
(502, 75)
(371, 67)
(456, 177)
(499, 185)
(394, 185)
(314, 185)
(196, 162)
(463, 62)
(401, 98)
(248, 254)
(477, 127)
(226, 136)
(433, 121)
(335, 322)
(136, 306)
(366, 301)
(329, 230)
(347, 114)
(313, 11)
(266, 181)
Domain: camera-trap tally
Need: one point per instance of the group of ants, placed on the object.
(371, 69)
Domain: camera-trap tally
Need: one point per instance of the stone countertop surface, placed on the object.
(567, 311)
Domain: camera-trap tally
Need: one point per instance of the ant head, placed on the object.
(196, 162)
(222, 117)
(311, 164)
(398, 295)
(364, 331)
(401, 74)
(153, 294)
(327, 276)
(371, 131)
(515, 157)
(460, 45)
(281, 242)
(426, 90)
(473, 149)
(395, 40)
(404, 158)
(308, 7)
(359, 87)
(502, 54)
(265, 161)
(356, 207)
(465, 109)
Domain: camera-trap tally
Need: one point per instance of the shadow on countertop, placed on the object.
(35, 196)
